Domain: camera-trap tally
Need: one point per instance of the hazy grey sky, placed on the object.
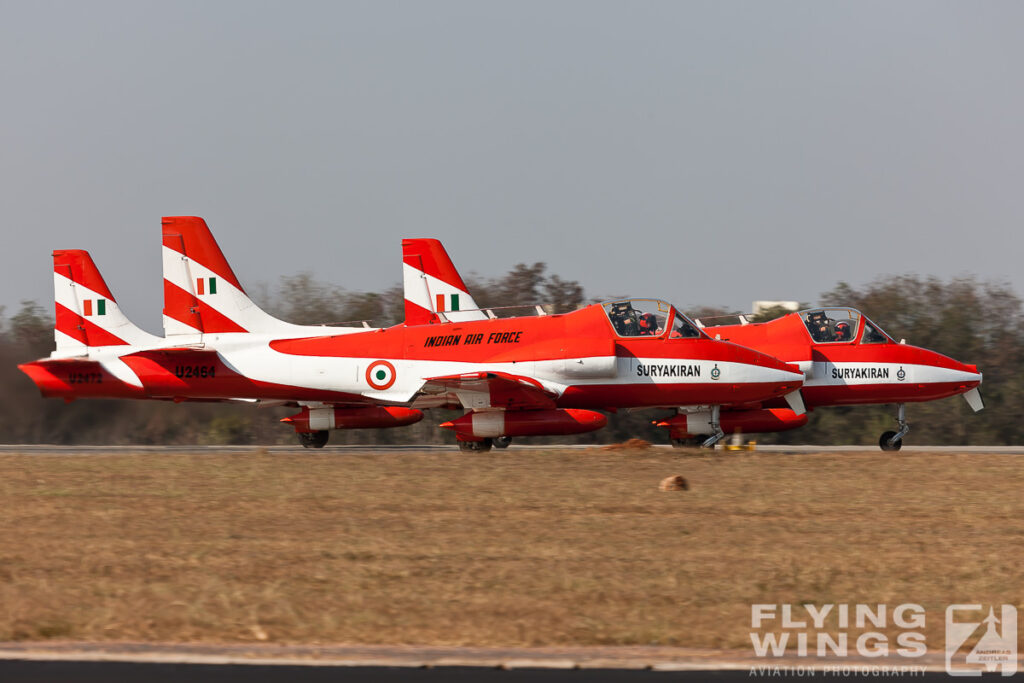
(703, 152)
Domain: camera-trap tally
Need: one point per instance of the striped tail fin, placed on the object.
(433, 285)
(86, 313)
(202, 295)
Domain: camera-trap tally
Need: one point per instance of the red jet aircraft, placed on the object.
(513, 376)
(847, 360)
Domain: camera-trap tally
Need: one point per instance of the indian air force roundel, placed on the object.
(380, 375)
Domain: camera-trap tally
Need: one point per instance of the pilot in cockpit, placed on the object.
(820, 327)
(648, 324)
(623, 319)
(844, 332)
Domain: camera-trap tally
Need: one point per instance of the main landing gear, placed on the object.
(893, 441)
(705, 440)
(313, 439)
(485, 444)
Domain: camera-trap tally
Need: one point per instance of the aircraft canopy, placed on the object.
(835, 325)
(649, 318)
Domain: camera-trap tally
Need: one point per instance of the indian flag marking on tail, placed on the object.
(453, 302)
(100, 307)
(206, 285)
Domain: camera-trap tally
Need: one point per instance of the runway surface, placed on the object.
(49, 449)
(269, 663)
(105, 672)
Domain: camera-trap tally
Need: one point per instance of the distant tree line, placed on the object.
(970, 320)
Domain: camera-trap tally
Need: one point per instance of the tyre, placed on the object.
(884, 444)
(313, 439)
(502, 441)
(476, 446)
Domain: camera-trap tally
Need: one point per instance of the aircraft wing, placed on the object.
(479, 390)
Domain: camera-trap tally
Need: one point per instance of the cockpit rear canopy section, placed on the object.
(649, 318)
(839, 325)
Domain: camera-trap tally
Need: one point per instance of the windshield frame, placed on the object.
(701, 334)
(864, 330)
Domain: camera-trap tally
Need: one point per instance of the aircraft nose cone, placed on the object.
(973, 369)
(953, 370)
(975, 380)
(934, 375)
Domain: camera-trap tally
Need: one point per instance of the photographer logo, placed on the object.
(996, 640)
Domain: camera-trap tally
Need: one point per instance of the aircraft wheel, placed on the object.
(313, 439)
(685, 443)
(476, 446)
(502, 441)
(700, 439)
(884, 444)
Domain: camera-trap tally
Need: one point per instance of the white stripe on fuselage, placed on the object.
(826, 373)
(251, 356)
(260, 362)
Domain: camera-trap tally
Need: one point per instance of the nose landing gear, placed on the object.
(893, 441)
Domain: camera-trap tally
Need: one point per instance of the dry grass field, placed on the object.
(506, 548)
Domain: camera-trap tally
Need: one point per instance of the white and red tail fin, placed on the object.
(86, 314)
(202, 295)
(432, 285)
